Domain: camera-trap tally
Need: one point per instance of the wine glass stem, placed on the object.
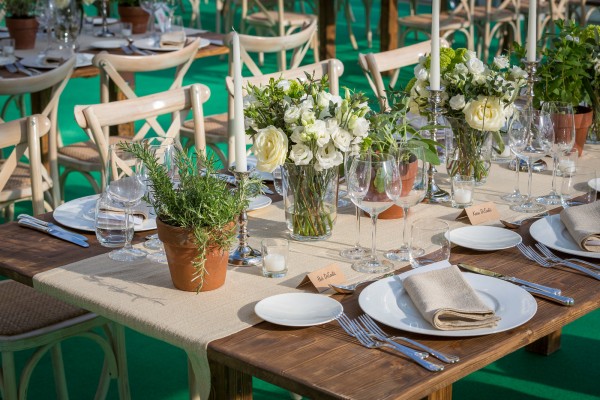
(530, 169)
(357, 245)
(517, 175)
(555, 167)
(374, 236)
(404, 227)
(127, 222)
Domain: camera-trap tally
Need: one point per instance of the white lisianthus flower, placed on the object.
(301, 154)
(360, 127)
(501, 62)
(292, 114)
(475, 66)
(307, 118)
(318, 132)
(250, 100)
(249, 123)
(470, 55)
(270, 147)
(485, 114)
(298, 135)
(328, 157)
(457, 102)
(518, 73)
(422, 59)
(307, 104)
(461, 68)
(342, 139)
(479, 79)
(421, 73)
(284, 84)
(354, 149)
(324, 98)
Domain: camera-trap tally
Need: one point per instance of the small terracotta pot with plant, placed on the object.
(21, 22)
(131, 11)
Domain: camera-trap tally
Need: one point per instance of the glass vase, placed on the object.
(594, 132)
(310, 201)
(468, 151)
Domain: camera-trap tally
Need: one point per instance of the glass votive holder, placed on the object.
(429, 242)
(277, 181)
(8, 47)
(463, 187)
(126, 29)
(275, 257)
(567, 162)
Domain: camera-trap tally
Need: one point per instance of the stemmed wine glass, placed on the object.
(126, 188)
(373, 185)
(151, 6)
(563, 121)
(356, 252)
(413, 172)
(531, 137)
(44, 14)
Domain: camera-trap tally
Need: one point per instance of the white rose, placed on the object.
(421, 73)
(475, 66)
(470, 55)
(301, 154)
(324, 98)
(457, 102)
(307, 118)
(501, 62)
(284, 84)
(461, 68)
(292, 114)
(517, 72)
(485, 114)
(342, 139)
(270, 147)
(328, 157)
(361, 127)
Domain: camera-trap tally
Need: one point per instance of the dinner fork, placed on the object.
(372, 326)
(553, 257)
(544, 262)
(357, 332)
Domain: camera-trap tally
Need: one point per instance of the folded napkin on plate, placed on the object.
(139, 213)
(447, 301)
(583, 223)
(172, 39)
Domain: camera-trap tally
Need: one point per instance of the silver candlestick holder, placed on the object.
(530, 68)
(104, 32)
(243, 255)
(434, 193)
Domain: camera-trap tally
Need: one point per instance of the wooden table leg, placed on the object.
(442, 394)
(389, 25)
(228, 383)
(546, 345)
(327, 26)
(125, 130)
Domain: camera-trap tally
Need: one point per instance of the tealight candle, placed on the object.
(463, 187)
(463, 196)
(274, 262)
(274, 257)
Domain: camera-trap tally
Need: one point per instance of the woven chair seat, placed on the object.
(23, 309)
(87, 151)
(447, 21)
(215, 127)
(19, 184)
(289, 18)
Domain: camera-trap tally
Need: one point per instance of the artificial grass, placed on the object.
(159, 371)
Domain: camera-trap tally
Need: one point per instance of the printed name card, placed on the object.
(321, 278)
(480, 213)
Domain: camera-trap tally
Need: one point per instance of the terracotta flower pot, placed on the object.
(408, 173)
(584, 117)
(181, 251)
(23, 30)
(137, 16)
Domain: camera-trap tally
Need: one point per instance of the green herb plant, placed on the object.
(18, 8)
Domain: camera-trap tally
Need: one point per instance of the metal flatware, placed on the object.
(564, 300)
(511, 279)
(551, 256)
(51, 225)
(517, 224)
(27, 223)
(126, 50)
(530, 253)
(372, 326)
(349, 289)
(24, 70)
(137, 50)
(11, 68)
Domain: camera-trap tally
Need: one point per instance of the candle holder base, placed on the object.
(434, 193)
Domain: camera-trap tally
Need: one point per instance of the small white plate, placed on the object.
(109, 21)
(7, 60)
(109, 43)
(258, 202)
(150, 44)
(298, 309)
(551, 232)
(484, 238)
(594, 184)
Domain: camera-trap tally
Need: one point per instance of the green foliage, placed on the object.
(201, 202)
(18, 8)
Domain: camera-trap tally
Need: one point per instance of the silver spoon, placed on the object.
(348, 289)
(517, 224)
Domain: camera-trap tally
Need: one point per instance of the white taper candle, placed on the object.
(238, 108)
(434, 70)
(531, 31)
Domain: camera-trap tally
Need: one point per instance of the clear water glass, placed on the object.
(429, 242)
(579, 186)
(109, 222)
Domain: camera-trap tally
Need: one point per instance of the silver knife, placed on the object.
(564, 300)
(24, 70)
(27, 223)
(511, 279)
(53, 226)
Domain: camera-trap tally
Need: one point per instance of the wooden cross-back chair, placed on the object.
(299, 42)
(51, 83)
(494, 21)
(177, 103)
(83, 157)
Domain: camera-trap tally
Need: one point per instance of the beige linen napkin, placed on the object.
(139, 213)
(583, 223)
(447, 301)
(172, 39)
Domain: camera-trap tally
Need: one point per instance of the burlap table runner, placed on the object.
(140, 295)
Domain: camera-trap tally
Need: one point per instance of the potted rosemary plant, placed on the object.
(195, 219)
(21, 22)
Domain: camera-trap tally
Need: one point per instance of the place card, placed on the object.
(480, 213)
(321, 278)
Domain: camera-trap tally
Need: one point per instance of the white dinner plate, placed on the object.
(551, 232)
(109, 21)
(76, 214)
(150, 44)
(109, 43)
(298, 309)
(594, 184)
(258, 202)
(37, 61)
(484, 238)
(386, 301)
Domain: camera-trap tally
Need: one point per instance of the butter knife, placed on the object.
(511, 279)
(27, 223)
(564, 300)
(53, 226)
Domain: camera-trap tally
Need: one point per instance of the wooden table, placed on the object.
(323, 362)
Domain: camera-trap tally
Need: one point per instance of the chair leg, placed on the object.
(9, 376)
(368, 4)
(58, 366)
(121, 355)
(348, 11)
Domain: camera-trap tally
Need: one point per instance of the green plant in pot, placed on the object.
(196, 218)
(131, 11)
(21, 22)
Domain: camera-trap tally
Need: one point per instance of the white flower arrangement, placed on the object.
(298, 121)
(480, 94)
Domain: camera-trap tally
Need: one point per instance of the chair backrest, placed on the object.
(374, 64)
(264, 7)
(54, 81)
(113, 65)
(22, 138)
(176, 102)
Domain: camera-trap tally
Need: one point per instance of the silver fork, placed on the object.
(357, 332)
(551, 256)
(372, 326)
(544, 262)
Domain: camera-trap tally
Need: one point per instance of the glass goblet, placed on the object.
(356, 252)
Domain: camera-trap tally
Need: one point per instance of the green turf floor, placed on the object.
(158, 370)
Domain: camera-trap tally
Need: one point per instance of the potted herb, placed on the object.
(195, 219)
(131, 11)
(21, 22)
